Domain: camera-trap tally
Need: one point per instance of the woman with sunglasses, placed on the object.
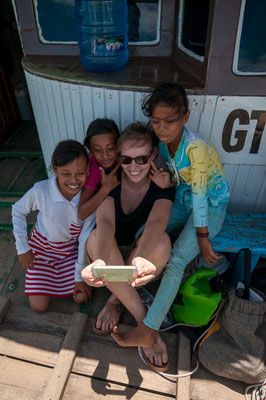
(134, 202)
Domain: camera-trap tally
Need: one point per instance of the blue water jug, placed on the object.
(102, 33)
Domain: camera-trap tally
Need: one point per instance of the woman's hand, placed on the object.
(26, 259)
(88, 277)
(110, 181)
(146, 271)
(160, 177)
(209, 255)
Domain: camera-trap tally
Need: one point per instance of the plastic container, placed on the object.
(102, 33)
(23, 102)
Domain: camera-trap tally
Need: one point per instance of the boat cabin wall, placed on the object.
(236, 126)
(197, 44)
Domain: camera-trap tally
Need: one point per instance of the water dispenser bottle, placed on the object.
(102, 33)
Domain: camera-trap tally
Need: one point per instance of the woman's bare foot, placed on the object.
(157, 354)
(142, 336)
(109, 316)
(153, 346)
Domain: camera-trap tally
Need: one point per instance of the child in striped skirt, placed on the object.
(57, 240)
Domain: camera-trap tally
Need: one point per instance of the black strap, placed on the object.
(247, 273)
(244, 293)
(222, 283)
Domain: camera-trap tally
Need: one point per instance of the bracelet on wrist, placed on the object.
(202, 235)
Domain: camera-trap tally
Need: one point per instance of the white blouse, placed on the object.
(55, 219)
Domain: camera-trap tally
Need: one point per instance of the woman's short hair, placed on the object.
(137, 132)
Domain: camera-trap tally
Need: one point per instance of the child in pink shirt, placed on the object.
(101, 138)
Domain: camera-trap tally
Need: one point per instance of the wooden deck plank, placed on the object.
(81, 387)
(34, 171)
(205, 385)
(24, 318)
(8, 257)
(65, 360)
(4, 305)
(14, 285)
(36, 347)
(6, 216)
(183, 367)
(22, 312)
(13, 168)
(7, 200)
(100, 357)
(24, 139)
(20, 380)
(101, 369)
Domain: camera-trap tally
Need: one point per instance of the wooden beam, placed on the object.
(183, 366)
(4, 305)
(66, 357)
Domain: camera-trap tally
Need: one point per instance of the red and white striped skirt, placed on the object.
(54, 272)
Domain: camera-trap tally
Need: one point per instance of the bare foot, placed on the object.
(142, 336)
(152, 344)
(110, 314)
(157, 354)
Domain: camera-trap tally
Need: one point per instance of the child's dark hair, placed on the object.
(66, 152)
(137, 132)
(171, 94)
(100, 126)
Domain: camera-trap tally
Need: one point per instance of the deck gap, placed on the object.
(124, 384)
(27, 361)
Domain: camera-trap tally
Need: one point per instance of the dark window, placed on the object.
(252, 48)
(56, 20)
(195, 15)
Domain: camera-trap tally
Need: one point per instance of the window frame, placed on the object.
(179, 35)
(32, 45)
(237, 44)
(189, 62)
(73, 42)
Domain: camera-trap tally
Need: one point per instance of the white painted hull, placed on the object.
(64, 110)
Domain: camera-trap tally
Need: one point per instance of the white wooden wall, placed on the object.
(64, 110)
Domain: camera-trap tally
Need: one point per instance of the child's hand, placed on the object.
(146, 271)
(82, 292)
(160, 177)
(110, 181)
(209, 255)
(88, 277)
(26, 259)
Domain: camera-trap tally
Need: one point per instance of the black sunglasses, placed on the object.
(140, 160)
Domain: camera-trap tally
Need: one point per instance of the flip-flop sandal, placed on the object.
(108, 307)
(163, 368)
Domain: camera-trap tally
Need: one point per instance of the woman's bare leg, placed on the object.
(159, 256)
(142, 335)
(121, 292)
